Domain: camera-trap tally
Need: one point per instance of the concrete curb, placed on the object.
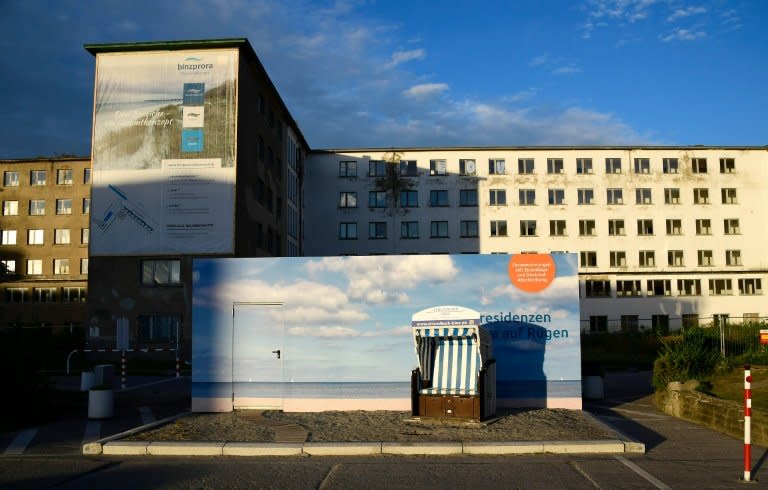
(96, 447)
(631, 445)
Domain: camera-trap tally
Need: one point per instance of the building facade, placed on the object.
(44, 235)
(667, 236)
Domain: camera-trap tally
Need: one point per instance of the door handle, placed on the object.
(276, 352)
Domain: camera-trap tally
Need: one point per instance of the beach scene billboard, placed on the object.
(335, 333)
(164, 136)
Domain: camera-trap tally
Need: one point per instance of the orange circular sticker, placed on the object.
(531, 272)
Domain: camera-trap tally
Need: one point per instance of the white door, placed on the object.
(257, 357)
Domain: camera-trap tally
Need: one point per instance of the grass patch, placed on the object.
(729, 385)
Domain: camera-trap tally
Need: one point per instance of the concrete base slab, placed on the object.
(91, 448)
(421, 448)
(342, 448)
(261, 449)
(175, 448)
(522, 447)
(591, 447)
(125, 448)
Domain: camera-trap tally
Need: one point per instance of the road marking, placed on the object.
(650, 478)
(327, 480)
(147, 417)
(20, 442)
(92, 431)
(584, 474)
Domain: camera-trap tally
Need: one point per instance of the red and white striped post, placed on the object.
(747, 423)
(123, 362)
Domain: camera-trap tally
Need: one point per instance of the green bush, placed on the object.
(690, 355)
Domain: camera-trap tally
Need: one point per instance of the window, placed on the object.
(597, 288)
(691, 320)
(616, 227)
(60, 266)
(629, 323)
(700, 195)
(8, 237)
(496, 166)
(671, 196)
(35, 237)
(86, 176)
(347, 199)
(408, 168)
(586, 196)
(10, 208)
(11, 178)
(675, 258)
(61, 236)
(467, 167)
(468, 197)
(583, 166)
(84, 235)
(499, 228)
(63, 206)
(728, 195)
(377, 199)
(438, 198)
(36, 207)
(7, 267)
(64, 176)
(34, 267)
(527, 197)
(642, 196)
(615, 196)
(699, 165)
(727, 165)
(670, 166)
(555, 165)
(557, 227)
(527, 227)
(409, 199)
(409, 229)
(161, 272)
(498, 197)
(750, 286)
(618, 258)
(587, 227)
(377, 168)
(438, 167)
(556, 196)
(733, 257)
(720, 287)
(73, 295)
(646, 258)
(84, 266)
(642, 166)
(751, 317)
(588, 258)
(628, 287)
(38, 177)
(703, 227)
(705, 257)
(525, 166)
(613, 165)
(660, 323)
(158, 328)
(674, 227)
(347, 231)
(469, 229)
(377, 230)
(347, 168)
(438, 229)
(44, 295)
(645, 227)
(731, 226)
(598, 323)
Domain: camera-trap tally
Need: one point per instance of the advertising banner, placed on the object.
(164, 138)
(306, 334)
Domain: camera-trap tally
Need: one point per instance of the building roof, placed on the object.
(63, 158)
(536, 148)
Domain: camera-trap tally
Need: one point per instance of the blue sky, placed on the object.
(403, 73)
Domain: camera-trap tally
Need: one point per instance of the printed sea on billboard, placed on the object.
(306, 334)
(164, 152)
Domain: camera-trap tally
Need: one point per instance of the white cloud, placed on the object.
(520, 96)
(399, 57)
(566, 70)
(683, 35)
(323, 332)
(425, 89)
(539, 60)
(686, 12)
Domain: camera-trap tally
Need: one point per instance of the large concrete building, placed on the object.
(666, 236)
(44, 234)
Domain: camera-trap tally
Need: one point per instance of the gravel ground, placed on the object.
(381, 426)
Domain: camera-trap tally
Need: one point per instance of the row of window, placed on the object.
(587, 227)
(46, 295)
(660, 323)
(61, 236)
(663, 287)
(527, 197)
(40, 177)
(37, 207)
(647, 258)
(526, 166)
(35, 267)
